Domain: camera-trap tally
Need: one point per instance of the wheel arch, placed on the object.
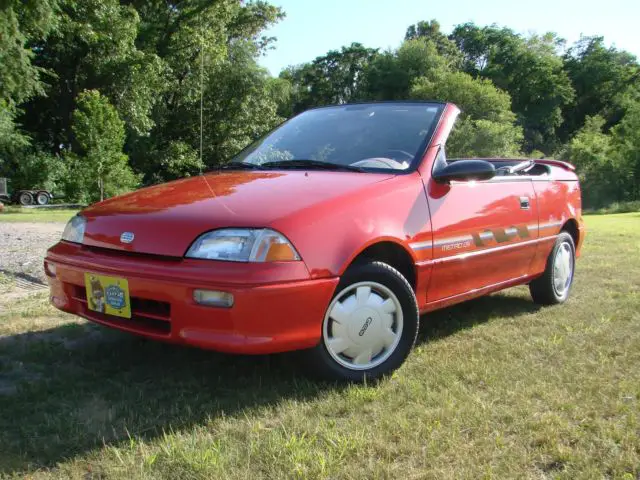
(571, 227)
(391, 252)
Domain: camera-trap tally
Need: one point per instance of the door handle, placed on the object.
(524, 203)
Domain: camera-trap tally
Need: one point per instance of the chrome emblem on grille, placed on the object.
(127, 237)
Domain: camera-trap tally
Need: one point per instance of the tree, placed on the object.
(21, 23)
(145, 57)
(184, 82)
(591, 151)
(93, 47)
(486, 126)
(334, 78)
(11, 138)
(599, 76)
(100, 134)
(529, 69)
(626, 144)
(391, 74)
(209, 49)
(431, 31)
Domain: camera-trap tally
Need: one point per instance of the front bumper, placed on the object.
(277, 306)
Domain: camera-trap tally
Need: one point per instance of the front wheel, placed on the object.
(554, 285)
(370, 325)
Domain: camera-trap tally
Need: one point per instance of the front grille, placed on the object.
(147, 316)
(117, 253)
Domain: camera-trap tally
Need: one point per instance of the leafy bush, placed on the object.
(617, 207)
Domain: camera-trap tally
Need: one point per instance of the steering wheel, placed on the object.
(407, 154)
(502, 171)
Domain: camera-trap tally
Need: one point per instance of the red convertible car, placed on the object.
(331, 234)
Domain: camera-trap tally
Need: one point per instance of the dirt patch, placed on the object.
(23, 247)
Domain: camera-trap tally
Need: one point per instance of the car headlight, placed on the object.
(243, 245)
(74, 231)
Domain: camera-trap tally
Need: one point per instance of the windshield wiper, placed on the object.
(305, 163)
(241, 166)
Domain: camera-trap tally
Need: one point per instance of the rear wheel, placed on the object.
(25, 199)
(42, 198)
(369, 327)
(554, 285)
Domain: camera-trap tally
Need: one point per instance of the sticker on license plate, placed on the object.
(108, 295)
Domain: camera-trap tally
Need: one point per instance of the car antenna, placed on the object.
(201, 89)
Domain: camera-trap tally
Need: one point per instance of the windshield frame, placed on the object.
(415, 162)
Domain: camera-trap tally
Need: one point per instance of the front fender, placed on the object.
(331, 234)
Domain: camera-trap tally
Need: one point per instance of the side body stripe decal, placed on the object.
(481, 239)
(464, 255)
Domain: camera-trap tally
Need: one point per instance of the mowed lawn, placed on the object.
(18, 214)
(496, 388)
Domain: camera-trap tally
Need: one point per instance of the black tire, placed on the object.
(42, 198)
(321, 363)
(543, 289)
(25, 199)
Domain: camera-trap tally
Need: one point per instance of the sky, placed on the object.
(313, 27)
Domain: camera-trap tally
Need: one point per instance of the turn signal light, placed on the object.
(281, 252)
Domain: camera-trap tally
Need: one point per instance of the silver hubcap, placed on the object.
(363, 325)
(562, 269)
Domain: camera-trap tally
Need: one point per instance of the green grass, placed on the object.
(496, 388)
(18, 214)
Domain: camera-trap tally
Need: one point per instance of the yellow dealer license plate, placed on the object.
(108, 295)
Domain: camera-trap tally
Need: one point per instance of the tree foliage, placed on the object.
(591, 152)
(391, 74)
(603, 79)
(152, 61)
(430, 30)
(99, 133)
(626, 142)
(529, 69)
(97, 96)
(332, 78)
(22, 22)
(487, 125)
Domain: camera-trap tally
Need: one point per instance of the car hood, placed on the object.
(166, 219)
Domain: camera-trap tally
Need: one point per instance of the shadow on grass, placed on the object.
(73, 388)
(445, 322)
(78, 387)
(25, 277)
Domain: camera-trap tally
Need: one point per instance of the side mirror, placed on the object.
(465, 170)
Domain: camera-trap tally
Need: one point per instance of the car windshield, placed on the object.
(361, 136)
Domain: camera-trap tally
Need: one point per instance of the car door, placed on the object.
(483, 234)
